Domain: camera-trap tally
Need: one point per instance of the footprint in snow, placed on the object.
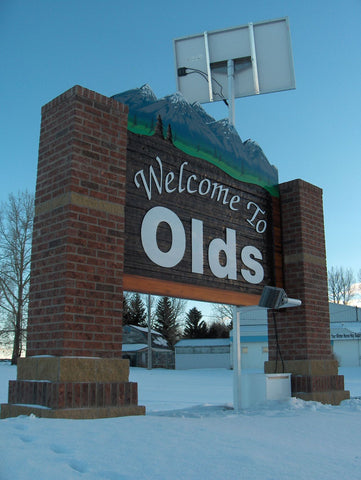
(26, 438)
(78, 466)
(59, 449)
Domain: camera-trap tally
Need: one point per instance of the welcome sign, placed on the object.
(197, 216)
(192, 230)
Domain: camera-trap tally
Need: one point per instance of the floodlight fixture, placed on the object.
(274, 298)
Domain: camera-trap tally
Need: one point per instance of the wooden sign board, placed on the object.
(193, 231)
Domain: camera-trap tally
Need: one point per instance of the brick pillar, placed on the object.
(77, 262)
(304, 332)
(78, 247)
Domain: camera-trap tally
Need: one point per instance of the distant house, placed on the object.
(217, 352)
(202, 353)
(135, 348)
(346, 334)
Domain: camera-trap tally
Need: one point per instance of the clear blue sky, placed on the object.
(109, 46)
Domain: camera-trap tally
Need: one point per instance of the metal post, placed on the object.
(149, 336)
(253, 59)
(236, 344)
(209, 73)
(230, 74)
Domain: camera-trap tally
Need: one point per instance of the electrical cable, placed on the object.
(183, 71)
(278, 349)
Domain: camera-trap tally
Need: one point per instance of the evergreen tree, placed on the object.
(218, 330)
(166, 321)
(137, 312)
(195, 327)
(126, 314)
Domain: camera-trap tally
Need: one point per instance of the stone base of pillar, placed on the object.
(72, 387)
(8, 411)
(316, 380)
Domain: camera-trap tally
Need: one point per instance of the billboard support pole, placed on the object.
(230, 74)
(209, 73)
(253, 59)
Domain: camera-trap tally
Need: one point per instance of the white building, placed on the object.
(217, 352)
(345, 326)
(202, 353)
(346, 334)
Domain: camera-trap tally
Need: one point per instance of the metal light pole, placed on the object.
(236, 359)
(149, 336)
(230, 75)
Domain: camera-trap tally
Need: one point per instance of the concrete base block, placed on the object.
(315, 380)
(72, 387)
(73, 369)
(332, 397)
(71, 413)
(303, 367)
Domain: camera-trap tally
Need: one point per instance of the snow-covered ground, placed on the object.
(189, 433)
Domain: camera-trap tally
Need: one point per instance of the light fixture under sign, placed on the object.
(275, 298)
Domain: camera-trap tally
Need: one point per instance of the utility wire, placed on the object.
(205, 76)
(278, 349)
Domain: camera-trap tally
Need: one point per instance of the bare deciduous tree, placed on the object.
(179, 306)
(334, 291)
(340, 282)
(223, 313)
(16, 226)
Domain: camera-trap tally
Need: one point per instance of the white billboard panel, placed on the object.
(260, 56)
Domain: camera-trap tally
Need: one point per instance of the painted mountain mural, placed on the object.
(200, 135)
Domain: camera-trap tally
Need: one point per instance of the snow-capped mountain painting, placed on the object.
(200, 135)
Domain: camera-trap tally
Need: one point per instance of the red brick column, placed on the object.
(78, 246)
(76, 295)
(304, 332)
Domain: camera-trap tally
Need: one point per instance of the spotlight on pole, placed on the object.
(275, 298)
